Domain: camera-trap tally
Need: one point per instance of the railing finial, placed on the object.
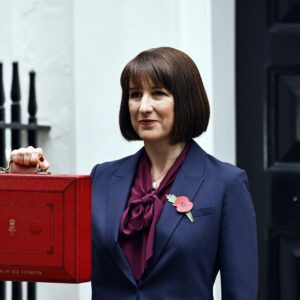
(15, 107)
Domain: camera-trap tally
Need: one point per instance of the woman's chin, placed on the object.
(154, 139)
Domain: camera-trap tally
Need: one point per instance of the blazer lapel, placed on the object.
(188, 181)
(119, 193)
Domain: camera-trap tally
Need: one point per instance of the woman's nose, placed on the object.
(146, 104)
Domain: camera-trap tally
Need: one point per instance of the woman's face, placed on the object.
(151, 111)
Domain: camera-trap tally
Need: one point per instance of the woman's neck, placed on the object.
(162, 156)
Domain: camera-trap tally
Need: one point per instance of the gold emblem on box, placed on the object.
(12, 226)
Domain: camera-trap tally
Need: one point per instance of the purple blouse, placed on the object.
(144, 207)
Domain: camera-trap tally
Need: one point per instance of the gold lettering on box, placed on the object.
(29, 272)
(12, 226)
(23, 272)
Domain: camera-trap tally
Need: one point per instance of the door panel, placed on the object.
(268, 135)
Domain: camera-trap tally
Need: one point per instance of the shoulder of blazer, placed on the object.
(223, 172)
(114, 167)
(232, 181)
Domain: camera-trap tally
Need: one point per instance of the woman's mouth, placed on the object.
(147, 122)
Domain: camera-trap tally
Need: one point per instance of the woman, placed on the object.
(168, 218)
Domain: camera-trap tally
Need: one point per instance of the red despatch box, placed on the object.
(45, 228)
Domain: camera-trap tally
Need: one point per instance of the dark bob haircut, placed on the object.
(175, 71)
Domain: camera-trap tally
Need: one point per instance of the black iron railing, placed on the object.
(15, 126)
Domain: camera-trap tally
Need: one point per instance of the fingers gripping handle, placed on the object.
(41, 167)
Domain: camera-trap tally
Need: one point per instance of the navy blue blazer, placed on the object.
(187, 256)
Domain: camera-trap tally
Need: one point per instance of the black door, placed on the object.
(268, 135)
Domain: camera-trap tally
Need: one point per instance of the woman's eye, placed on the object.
(135, 95)
(159, 93)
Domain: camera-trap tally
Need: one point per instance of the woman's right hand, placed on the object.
(28, 160)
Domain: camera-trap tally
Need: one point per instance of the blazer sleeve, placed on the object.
(238, 243)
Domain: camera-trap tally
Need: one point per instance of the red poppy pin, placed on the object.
(183, 205)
